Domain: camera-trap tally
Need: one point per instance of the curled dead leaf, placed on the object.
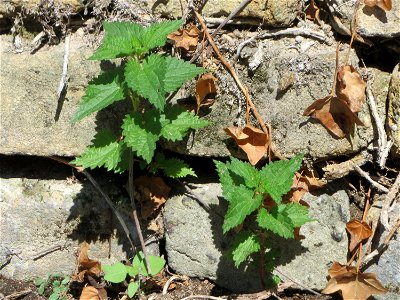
(205, 86)
(352, 285)
(92, 293)
(303, 182)
(386, 5)
(252, 140)
(154, 192)
(359, 231)
(186, 39)
(312, 12)
(351, 88)
(86, 265)
(334, 114)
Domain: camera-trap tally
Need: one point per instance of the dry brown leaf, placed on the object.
(334, 114)
(252, 140)
(303, 182)
(386, 5)
(91, 293)
(186, 38)
(359, 231)
(154, 192)
(86, 265)
(312, 12)
(353, 285)
(205, 85)
(351, 88)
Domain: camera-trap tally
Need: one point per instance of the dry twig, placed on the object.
(336, 171)
(64, 79)
(373, 183)
(17, 295)
(243, 88)
(134, 213)
(385, 243)
(105, 196)
(289, 31)
(387, 202)
(384, 144)
(296, 282)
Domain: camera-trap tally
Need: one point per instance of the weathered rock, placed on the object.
(273, 13)
(372, 22)
(29, 6)
(393, 116)
(53, 217)
(196, 246)
(33, 120)
(286, 82)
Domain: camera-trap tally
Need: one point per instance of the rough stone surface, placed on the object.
(393, 116)
(372, 22)
(273, 13)
(33, 120)
(9, 7)
(38, 214)
(196, 246)
(309, 73)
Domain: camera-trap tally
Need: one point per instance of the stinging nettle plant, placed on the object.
(246, 189)
(144, 74)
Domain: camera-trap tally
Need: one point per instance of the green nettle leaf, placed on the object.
(147, 79)
(141, 132)
(132, 289)
(277, 177)
(245, 170)
(156, 264)
(173, 167)
(275, 222)
(245, 244)
(225, 179)
(242, 203)
(297, 213)
(156, 34)
(106, 151)
(120, 39)
(179, 125)
(178, 72)
(102, 91)
(115, 273)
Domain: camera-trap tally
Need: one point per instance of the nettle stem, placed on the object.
(262, 260)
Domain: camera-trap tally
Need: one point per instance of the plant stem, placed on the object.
(134, 214)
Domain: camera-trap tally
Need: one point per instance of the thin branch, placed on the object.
(243, 88)
(387, 202)
(289, 31)
(385, 243)
(373, 183)
(17, 295)
(336, 171)
(296, 282)
(238, 9)
(50, 250)
(134, 214)
(105, 196)
(384, 145)
(63, 81)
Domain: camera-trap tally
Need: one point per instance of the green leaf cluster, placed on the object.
(117, 272)
(145, 75)
(245, 188)
(56, 286)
